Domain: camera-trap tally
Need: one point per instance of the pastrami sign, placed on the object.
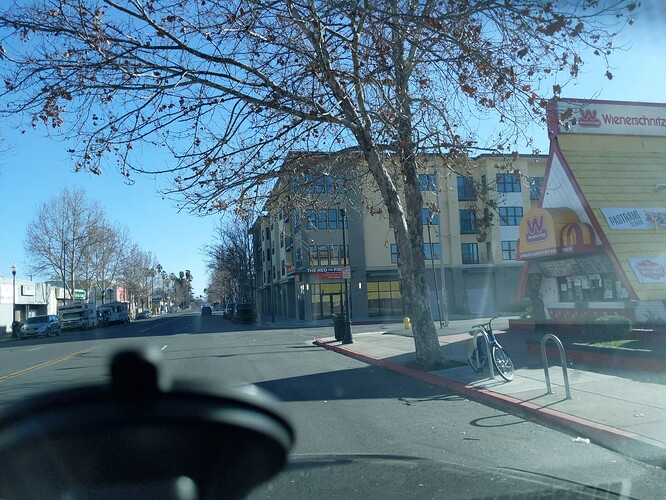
(635, 217)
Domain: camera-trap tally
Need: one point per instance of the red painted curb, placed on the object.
(624, 442)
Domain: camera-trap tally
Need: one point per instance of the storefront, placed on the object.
(597, 243)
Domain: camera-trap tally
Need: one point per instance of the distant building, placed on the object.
(299, 255)
(32, 299)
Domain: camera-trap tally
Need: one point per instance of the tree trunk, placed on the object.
(411, 269)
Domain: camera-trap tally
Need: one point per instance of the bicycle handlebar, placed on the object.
(486, 326)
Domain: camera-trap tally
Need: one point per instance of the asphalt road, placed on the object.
(359, 428)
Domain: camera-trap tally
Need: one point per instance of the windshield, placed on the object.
(37, 319)
(331, 201)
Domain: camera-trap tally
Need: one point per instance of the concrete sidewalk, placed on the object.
(621, 411)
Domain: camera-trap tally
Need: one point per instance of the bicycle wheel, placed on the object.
(502, 363)
(475, 356)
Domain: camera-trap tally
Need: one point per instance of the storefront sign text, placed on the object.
(612, 118)
(635, 218)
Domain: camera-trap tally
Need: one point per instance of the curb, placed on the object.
(623, 442)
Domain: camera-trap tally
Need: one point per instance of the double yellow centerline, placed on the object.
(47, 363)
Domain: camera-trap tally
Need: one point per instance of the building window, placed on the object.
(297, 221)
(333, 218)
(324, 255)
(322, 219)
(327, 255)
(325, 219)
(334, 254)
(314, 258)
(509, 250)
(467, 221)
(326, 299)
(510, 216)
(394, 253)
(299, 257)
(436, 250)
(470, 253)
(508, 183)
(426, 213)
(320, 183)
(466, 190)
(384, 298)
(535, 187)
(428, 182)
(283, 265)
(312, 219)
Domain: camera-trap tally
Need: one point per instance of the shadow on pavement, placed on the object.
(356, 383)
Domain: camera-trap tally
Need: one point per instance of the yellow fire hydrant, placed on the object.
(407, 322)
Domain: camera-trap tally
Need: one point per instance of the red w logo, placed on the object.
(535, 230)
(588, 118)
(535, 225)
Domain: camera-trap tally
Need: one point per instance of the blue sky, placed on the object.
(36, 168)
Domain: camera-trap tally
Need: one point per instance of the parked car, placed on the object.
(206, 310)
(244, 313)
(40, 326)
(144, 315)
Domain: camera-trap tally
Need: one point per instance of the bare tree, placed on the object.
(230, 86)
(61, 235)
(231, 261)
(137, 273)
(104, 258)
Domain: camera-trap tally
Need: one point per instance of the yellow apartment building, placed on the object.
(300, 256)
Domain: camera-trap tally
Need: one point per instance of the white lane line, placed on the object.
(164, 347)
(34, 349)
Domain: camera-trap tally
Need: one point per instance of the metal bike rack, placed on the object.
(489, 358)
(563, 361)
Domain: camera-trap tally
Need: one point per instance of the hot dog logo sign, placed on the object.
(588, 118)
(545, 232)
(536, 231)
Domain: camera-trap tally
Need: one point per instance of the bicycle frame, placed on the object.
(481, 330)
(495, 357)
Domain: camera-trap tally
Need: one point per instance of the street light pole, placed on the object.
(434, 274)
(347, 339)
(14, 332)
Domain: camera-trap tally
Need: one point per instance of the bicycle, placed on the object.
(476, 351)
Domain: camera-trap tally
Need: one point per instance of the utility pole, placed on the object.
(347, 339)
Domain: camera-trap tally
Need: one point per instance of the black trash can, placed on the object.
(339, 326)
